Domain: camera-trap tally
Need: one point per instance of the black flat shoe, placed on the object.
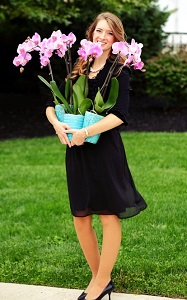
(82, 296)
(108, 290)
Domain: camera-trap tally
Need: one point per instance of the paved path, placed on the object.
(13, 291)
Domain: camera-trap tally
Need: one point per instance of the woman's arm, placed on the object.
(120, 109)
(107, 123)
(59, 127)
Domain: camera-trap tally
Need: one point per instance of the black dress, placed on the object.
(98, 177)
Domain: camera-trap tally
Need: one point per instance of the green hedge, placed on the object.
(166, 77)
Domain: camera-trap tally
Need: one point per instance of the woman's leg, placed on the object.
(89, 244)
(110, 248)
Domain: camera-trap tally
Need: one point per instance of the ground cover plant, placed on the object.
(166, 78)
(37, 237)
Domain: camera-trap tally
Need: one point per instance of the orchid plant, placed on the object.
(131, 53)
(75, 99)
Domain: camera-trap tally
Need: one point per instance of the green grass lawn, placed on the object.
(38, 244)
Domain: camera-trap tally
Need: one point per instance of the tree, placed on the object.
(52, 10)
(39, 11)
(19, 18)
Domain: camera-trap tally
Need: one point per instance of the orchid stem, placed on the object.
(87, 71)
(70, 73)
(106, 82)
(66, 61)
(50, 71)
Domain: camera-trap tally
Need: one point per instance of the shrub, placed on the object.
(166, 77)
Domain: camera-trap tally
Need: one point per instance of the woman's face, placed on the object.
(104, 34)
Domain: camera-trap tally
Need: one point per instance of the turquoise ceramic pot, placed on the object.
(89, 119)
(59, 111)
(74, 121)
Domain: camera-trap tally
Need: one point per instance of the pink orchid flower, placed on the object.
(71, 39)
(120, 47)
(129, 60)
(138, 66)
(95, 50)
(135, 47)
(132, 52)
(56, 35)
(44, 60)
(86, 46)
(33, 44)
(46, 47)
(89, 49)
(82, 54)
(22, 60)
(61, 51)
(36, 38)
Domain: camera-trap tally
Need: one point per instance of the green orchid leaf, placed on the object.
(55, 99)
(85, 105)
(86, 87)
(99, 109)
(49, 86)
(58, 94)
(77, 90)
(67, 88)
(113, 94)
(75, 103)
(79, 98)
(45, 81)
(83, 84)
(99, 99)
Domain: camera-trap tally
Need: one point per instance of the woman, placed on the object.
(99, 180)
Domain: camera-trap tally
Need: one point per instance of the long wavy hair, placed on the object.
(119, 34)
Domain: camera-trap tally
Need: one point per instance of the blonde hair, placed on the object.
(118, 31)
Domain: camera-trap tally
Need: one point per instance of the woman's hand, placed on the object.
(60, 129)
(78, 137)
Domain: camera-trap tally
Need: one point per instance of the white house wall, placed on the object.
(177, 21)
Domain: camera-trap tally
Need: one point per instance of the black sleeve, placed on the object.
(120, 109)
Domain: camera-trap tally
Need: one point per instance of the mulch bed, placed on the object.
(21, 116)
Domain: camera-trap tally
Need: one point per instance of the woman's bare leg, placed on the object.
(110, 249)
(89, 244)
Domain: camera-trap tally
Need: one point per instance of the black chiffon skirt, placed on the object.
(99, 180)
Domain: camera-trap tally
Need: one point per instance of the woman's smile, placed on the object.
(104, 35)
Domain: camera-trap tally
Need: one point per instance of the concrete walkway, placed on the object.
(12, 291)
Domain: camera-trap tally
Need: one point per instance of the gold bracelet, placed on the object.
(86, 132)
